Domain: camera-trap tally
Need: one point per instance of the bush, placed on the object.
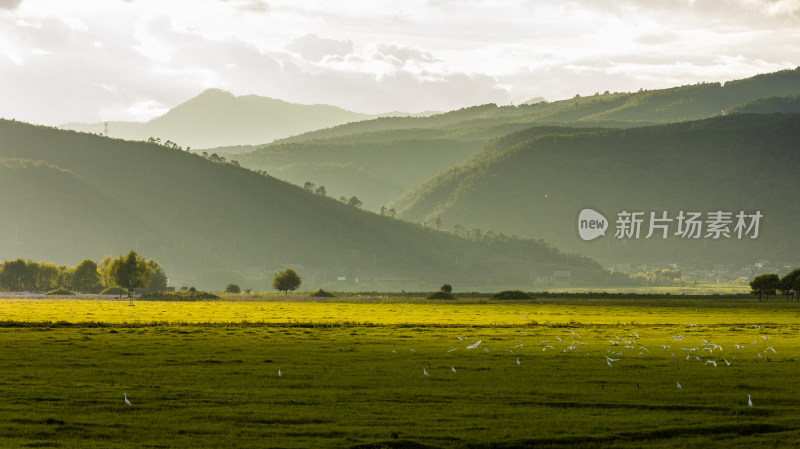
(184, 295)
(114, 291)
(447, 288)
(512, 294)
(322, 294)
(60, 291)
(440, 295)
(233, 288)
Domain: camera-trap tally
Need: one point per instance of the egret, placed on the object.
(679, 386)
(486, 349)
(452, 350)
(279, 373)
(609, 360)
(126, 399)
(558, 338)
(460, 339)
(738, 346)
(452, 368)
(765, 337)
(474, 345)
(517, 360)
(634, 334)
(713, 362)
(411, 350)
(759, 355)
(770, 349)
(425, 372)
(545, 348)
(756, 326)
(394, 351)
(727, 362)
(524, 316)
(749, 401)
(665, 346)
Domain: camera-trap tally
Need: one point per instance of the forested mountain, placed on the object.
(534, 183)
(429, 144)
(212, 223)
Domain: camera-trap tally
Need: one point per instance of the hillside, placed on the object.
(427, 145)
(210, 223)
(534, 183)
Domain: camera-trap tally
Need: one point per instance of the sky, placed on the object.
(94, 60)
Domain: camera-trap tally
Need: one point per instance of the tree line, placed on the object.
(771, 284)
(87, 277)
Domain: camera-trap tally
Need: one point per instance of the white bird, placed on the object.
(756, 326)
(765, 337)
(545, 348)
(770, 349)
(727, 362)
(460, 339)
(126, 399)
(665, 346)
(517, 360)
(524, 316)
(486, 349)
(634, 334)
(759, 355)
(452, 350)
(571, 331)
(518, 346)
(425, 372)
(609, 360)
(411, 350)
(679, 386)
(749, 401)
(738, 346)
(452, 368)
(394, 351)
(474, 345)
(279, 373)
(713, 362)
(558, 338)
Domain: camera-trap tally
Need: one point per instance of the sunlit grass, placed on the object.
(200, 385)
(395, 313)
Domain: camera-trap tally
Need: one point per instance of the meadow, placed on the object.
(353, 374)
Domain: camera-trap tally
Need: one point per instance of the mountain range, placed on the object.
(70, 195)
(218, 118)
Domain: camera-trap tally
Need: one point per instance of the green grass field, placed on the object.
(349, 376)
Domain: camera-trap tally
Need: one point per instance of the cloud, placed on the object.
(9, 4)
(314, 48)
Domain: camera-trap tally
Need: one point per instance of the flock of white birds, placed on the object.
(617, 348)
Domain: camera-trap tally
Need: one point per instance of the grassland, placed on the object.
(205, 374)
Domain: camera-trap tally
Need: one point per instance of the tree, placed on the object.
(233, 288)
(158, 277)
(86, 278)
(355, 202)
(127, 268)
(286, 280)
(787, 284)
(766, 284)
(12, 274)
(447, 288)
(309, 186)
(321, 191)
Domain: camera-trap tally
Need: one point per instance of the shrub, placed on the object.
(114, 291)
(440, 295)
(60, 291)
(512, 294)
(322, 294)
(232, 288)
(184, 295)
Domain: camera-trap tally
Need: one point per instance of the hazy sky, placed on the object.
(93, 60)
